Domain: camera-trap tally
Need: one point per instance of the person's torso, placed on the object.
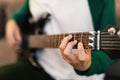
(66, 16)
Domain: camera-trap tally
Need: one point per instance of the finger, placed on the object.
(88, 51)
(81, 52)
(68, 51)
(18, 35)
(64, 42)
(66, 59)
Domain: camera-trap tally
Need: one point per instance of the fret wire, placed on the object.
(50, 40)
(53, 40)
(59, 40)
(46, 41)
(63, 36)
(74, 36)
(56, 41)
(44, 37)
(81, 37)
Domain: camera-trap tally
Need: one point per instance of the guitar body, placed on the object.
(113, 54)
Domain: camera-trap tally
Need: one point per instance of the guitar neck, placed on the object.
(93, 40)
(53, 41)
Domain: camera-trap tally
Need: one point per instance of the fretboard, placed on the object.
(105, 40)
(53, 41)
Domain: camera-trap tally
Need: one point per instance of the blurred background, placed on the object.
(7, 7)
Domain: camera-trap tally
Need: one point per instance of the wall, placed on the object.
(7, 7)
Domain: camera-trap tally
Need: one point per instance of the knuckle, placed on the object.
(70, 43)
(61, 47)
(65, 39)
(66, 53)
(75, 63)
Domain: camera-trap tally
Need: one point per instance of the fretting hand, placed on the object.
(81, 60)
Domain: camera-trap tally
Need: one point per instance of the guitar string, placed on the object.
(102, 37)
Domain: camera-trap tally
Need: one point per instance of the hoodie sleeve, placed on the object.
(100, 64)
(23, 14)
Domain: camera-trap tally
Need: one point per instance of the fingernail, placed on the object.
(80, 43)
(75, 41)
(70, 36)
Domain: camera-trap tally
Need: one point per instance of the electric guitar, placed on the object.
(107, 40)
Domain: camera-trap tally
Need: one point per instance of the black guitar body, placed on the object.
(114, 72)
(30, 27)
(113, 54)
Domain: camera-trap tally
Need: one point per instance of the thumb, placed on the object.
(18, 37)
(81, 52)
